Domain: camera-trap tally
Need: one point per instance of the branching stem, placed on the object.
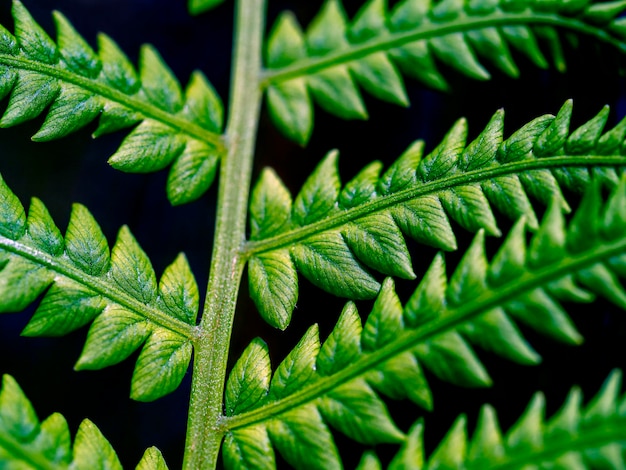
(204, 429)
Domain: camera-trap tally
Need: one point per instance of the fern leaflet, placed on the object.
(335, 382)
(74, 85)
(83, 282)
(26, 442)
(328, 62)
(330, 234)
(574, 438)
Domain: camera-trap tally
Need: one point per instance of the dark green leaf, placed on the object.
(274, 287)
(161, 366)
(298, 367)
(249, 381)
(327, 262)
(113, 336)
(302, 438)
(178, 290)
(357, 412)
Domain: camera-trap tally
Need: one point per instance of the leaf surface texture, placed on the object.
(338, 384)
(339, 237)
(335, 57)
(575, 437)
(83, 282)
(72, 85)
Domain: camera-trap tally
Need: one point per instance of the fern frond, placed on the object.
(576, 437)
(74, 85)
(330, 234)
(83, 282)
(335, 382)
(25, 442)
(329, 62)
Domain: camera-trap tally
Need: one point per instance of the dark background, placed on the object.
(74, 169)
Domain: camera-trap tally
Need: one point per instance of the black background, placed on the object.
(74, 169)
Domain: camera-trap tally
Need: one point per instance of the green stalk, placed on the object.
(204, 428)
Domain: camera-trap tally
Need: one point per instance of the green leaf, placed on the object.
(274, 287)
(326, 261)
(76, 53)
(385, 320)
(291, 109)
(335, 53)
(117, 69)
(85, 243)
(328, 29)
(71, 85)
(343, 345)
(490, 43)
(150, 147)
(41, 228)
(378, 242)
(161, 366)
(248, 448)
(17, 414)
(178, 290)
(31, 38)
(453, 50)
(51, 317)
(202, 103)
(249, 381)
(72, 109)
(159, 82)
(192, 173)
(468, 205)
(334, 234)
(450, 451)
(21, 282)
(411, 454)
(302, 438)
(82, 282)
(131, 268)
(451, 359)
(369, 461)
(401, 378)
(377, 75)
(336, 92)
(12, 215)
(25, 442)
(298, 367)
(113, 336)
(152, 459)
(270, 206)
(31, 94)
(362, 187)
(319, 193)
(92, 450)
(564, 441)
(478, 305)
(286, 42)
(356, 411)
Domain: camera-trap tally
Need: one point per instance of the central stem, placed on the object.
(204, 430)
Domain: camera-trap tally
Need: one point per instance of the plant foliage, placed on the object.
(357, 240)
(333, 234)
(115, 289)
(333, 383)
(575, 437)
(335, 57)
(73, 85)
(28, 443)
